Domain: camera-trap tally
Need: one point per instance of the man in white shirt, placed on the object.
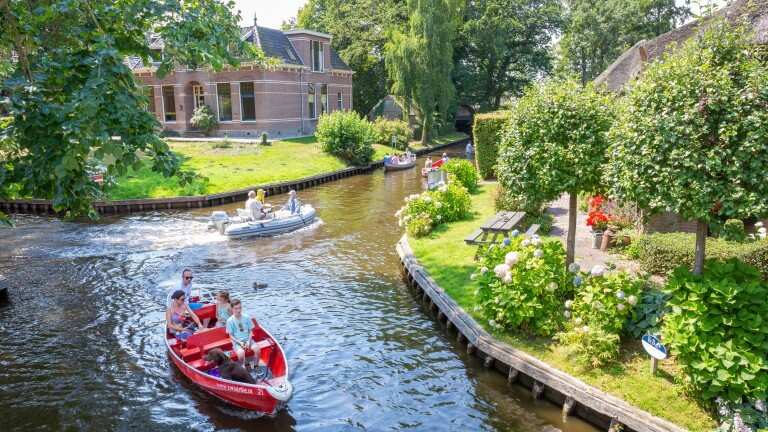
(186, 286)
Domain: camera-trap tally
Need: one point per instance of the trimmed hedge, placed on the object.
(662, 253)
(487, 133)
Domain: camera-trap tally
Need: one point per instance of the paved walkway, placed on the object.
(586, 257)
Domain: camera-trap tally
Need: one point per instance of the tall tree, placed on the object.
(691, 138)
(419, 59)
(359, 29)
(502, 46)
(556, 143)
(72, 97)
(597, 32)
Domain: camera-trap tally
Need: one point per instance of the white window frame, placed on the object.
(162, 97)
(198, 96)
(320, 54)
(242, 110)
(218, 103)
(340, 101)
(313, 114)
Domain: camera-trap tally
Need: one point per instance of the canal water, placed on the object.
(81, 343)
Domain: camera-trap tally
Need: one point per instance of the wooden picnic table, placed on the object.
(497, 228)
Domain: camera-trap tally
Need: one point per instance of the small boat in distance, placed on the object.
(435, 166)
(278, 222)
(267, 397)
(398, 165)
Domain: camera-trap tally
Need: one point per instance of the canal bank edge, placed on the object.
(576, 397)
(41, 206)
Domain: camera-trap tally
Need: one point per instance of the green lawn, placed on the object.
(237, 166)
(450, 262)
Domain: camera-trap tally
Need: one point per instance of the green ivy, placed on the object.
(718, 330)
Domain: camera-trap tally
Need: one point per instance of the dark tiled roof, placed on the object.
(337, 62)
(630, 64)
(273, 42)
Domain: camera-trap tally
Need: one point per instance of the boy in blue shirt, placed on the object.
(240, 330)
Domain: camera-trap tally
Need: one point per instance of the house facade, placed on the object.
(284, 101)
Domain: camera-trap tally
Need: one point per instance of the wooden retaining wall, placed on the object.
(577, 398)
(40, 206)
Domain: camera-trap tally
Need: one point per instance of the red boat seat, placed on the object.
(203, 341)
(262, 344)
(206, 312)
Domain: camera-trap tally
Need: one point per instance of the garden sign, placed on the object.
(655, 349)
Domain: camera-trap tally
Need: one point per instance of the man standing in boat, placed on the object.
(240, 331)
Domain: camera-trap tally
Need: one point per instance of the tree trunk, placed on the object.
(426, 129)
(571, 240)
(701, 242)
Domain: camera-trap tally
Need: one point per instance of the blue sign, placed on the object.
(654, 347)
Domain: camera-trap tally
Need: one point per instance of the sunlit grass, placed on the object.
(451, 262)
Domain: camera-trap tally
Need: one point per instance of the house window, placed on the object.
(224, 93)
(341, 101)
(169, 104)
(317, 56)
(149, 93)
(323, 99)
(311, 101)
(198, 96)
(247, 101)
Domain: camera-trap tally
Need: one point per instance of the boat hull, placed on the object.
(272, 227)
(399, 167)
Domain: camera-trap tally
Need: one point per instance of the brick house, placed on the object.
(284, 101)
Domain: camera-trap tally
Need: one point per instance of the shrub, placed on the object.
(662, 253)
(487, 132)
(445, 204)
(718, 331)
(523, 284)
(5, 122)
(733, 230)
(264, 138)
(386, 129)
(598, 315)
(462, 171)
(648, 313)
(204, 119)
(504, 200)
(346, 135)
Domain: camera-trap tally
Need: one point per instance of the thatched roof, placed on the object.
(631, 63)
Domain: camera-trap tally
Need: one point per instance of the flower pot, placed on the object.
(607, 240)
(597, 239)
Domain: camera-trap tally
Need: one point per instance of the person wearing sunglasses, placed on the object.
(240, 330)
(186, 287)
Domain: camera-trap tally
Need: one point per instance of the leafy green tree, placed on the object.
(359, 29)
(419, 59)
(556, 143)
(691, 138)
(502, 46)
(597, 32)
(73, 98)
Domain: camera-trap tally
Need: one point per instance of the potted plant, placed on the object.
(598, 231)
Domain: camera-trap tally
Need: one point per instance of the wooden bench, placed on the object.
(495, 229)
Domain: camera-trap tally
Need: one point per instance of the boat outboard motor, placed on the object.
(219, 221)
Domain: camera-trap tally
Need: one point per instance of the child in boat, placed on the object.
(240, 331)
(223, 308)
(175, 317)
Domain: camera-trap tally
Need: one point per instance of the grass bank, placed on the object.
(230, 166)
(450, 262)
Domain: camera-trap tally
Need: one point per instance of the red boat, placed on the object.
(435, 166)
(267, 397)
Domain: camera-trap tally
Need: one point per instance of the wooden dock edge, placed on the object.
(576, 397)
(40, 206)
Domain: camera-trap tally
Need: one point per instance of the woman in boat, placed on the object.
(240, 331)
(176, 314)
(223, 308)
(428, 163)
(292, 205)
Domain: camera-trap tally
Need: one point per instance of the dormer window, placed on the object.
(318, 59)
